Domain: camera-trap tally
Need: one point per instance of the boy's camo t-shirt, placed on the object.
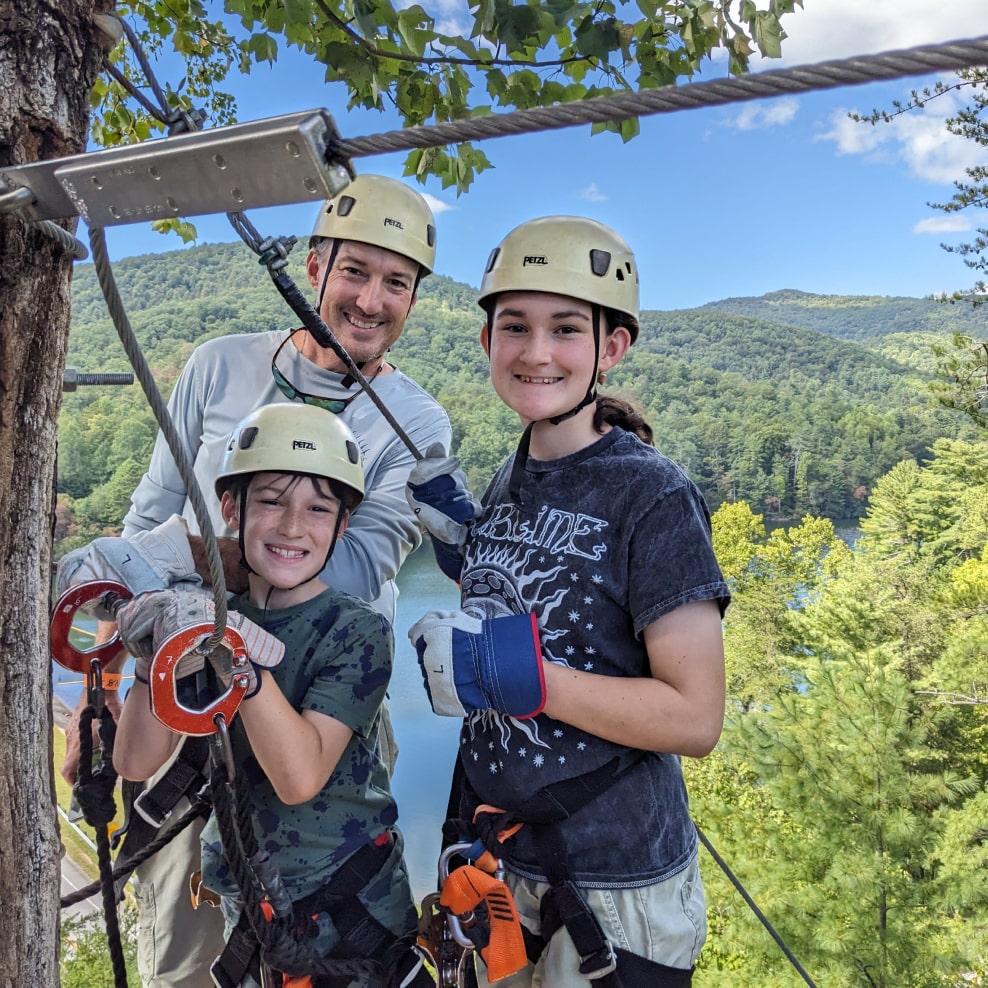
(338, 660)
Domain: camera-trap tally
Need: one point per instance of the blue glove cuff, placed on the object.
(508, 663)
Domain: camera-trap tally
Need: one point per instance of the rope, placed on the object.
(123, 869)
(75, 247)
(94, 790)
(668, 99)
(11, 200)
(754, 908)
(104, 273)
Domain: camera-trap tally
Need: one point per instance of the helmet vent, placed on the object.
(345, 205)
(430, 235)
(492, 259)
(352, 452)
(600, 261)
(247, 437)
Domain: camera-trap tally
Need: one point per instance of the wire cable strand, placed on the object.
(669, 99)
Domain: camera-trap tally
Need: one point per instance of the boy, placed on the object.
(306, 735)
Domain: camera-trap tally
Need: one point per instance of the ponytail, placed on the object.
(618, 411)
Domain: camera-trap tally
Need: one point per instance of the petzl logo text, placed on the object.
(302, 444)
(534, 259)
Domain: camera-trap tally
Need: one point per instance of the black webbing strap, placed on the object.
(361, 935)
(240, 957)
(147, 810)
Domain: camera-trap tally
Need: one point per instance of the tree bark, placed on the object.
(49, 57)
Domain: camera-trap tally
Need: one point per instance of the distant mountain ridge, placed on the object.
(790, 401)
(855, 317)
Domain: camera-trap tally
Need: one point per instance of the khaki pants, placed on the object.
(665, 922)
(175, 943)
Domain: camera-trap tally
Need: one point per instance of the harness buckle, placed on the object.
(156, 820)
(600, 963)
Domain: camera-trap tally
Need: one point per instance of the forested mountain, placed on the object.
(793, 418)
(858, 317)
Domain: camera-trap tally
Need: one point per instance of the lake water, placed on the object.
(427, 743)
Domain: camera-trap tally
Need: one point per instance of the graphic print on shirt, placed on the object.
(554, 563)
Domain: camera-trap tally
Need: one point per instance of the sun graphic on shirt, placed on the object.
(498, 583)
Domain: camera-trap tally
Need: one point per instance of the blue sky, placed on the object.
(735, 200)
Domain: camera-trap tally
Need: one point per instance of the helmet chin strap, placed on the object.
(524, 444)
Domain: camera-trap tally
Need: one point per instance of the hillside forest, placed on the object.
(849, 792)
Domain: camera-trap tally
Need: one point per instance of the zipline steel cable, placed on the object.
(832, 74)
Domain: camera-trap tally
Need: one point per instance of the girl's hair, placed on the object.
(325, 487)
(620, 412)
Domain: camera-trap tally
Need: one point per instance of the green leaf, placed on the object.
(769, 34)
(263, 47)
(414, 39)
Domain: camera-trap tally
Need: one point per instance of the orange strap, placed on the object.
(201, 895)
(305, 981)
(464, 889)
(487, 861)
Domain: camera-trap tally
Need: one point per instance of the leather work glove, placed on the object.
(152, 560)
(146, 621)
(471, 664)
(437, 492)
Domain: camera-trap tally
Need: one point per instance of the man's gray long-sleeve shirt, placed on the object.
(227, 378)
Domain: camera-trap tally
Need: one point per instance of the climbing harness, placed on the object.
(563, 905)
(273, 933)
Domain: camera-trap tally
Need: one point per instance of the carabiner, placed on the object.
(165, 704)
(75, 598)
(454, 921)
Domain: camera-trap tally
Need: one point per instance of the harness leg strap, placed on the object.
(241, 956)
(564, 905)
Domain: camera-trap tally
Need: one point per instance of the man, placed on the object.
(370, 247)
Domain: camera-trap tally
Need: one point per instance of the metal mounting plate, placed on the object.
(270, 162)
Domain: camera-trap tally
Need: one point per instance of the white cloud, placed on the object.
(593, 194)
(852, 137)
(918, 138)
(827, 29)
(770, 113)
(437, 205)
(948, 223)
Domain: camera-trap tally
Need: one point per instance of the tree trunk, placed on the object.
(49, 57)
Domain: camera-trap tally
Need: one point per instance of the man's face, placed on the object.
(368, 295)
